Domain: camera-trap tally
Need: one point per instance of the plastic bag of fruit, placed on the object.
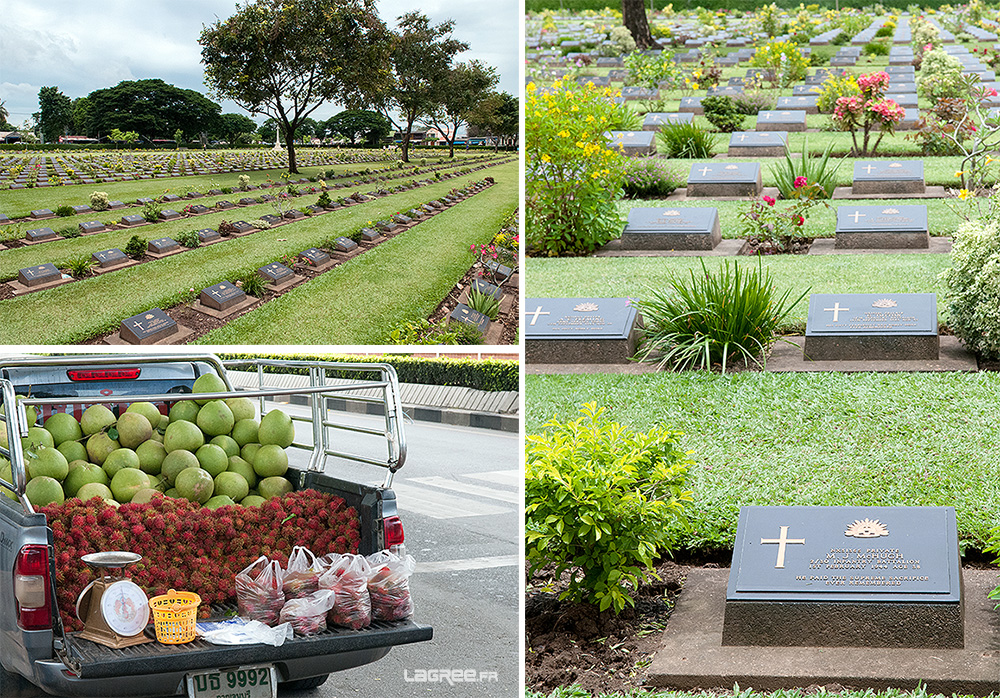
(302, 574)
(259, 594)
(348, 576)
(389, 585)
(307, 614)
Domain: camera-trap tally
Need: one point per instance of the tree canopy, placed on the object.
(234, 126)
(460, 90)
(56, 113)
(496, 115)
(286, 59)
(151, 108)
(360, 127)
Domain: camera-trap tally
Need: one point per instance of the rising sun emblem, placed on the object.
(586, 308)
(867, 528)
(884, 303)
(890, 211)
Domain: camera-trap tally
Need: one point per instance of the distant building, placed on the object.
(10, 136)
(78, 140)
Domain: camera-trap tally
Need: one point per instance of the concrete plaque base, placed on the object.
(671, 241)
(581, 351)
(725, 188)
(888, 187)
(882, 240)
(871, 348)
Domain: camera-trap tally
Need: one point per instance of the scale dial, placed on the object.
(125, 608)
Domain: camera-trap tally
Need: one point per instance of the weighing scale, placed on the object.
(114, 608)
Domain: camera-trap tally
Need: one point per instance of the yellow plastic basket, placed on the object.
(174, 616)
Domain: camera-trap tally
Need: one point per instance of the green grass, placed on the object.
(618, 277)
(404, 278)
(74, 312)
(808, 439)
(576, 691)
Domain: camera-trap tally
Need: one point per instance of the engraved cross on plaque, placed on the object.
(782, 541)
(857, 215)
(868, 169)
(705, 170)
(836, 310)
(535, 314)
(767, 115)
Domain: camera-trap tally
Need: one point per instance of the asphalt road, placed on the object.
(458, 495)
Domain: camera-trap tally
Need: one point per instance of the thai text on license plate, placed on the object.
(239, 682)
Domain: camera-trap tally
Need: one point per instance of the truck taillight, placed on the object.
(103, 374)
(393, 531)
(31, 588)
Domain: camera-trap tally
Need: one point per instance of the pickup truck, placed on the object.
(36, 651)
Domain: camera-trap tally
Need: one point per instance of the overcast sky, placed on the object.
(84, 46)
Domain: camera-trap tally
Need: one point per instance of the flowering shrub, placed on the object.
(784, 61)
(941, 77)
(835, 87)
(870, 112)
(572, 175)
(99, 201)
(186, 546)
(501, 250)
(647, 70)
(973, 283)
(924, 36)
(779, 226)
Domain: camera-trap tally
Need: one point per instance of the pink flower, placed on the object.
(769, 200)
(800, 182)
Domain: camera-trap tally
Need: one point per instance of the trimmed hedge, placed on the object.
(492, 375)
(741, 5)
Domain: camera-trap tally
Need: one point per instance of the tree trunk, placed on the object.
(290, 144)
(634, 18)
(451, 147)
(406, 145)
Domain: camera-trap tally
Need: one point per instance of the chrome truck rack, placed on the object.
(317, 391)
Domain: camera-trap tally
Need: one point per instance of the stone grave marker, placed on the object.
(132, 219)
(872, 326)
(222, 296)
(148, 327)
(773, 120)
(805, 91)
(401, 219)
(294, 215)
(580, 330)
(199, 209)
(40, 235)
(654, 121)
(464, 314)
(343, 244)
(207, 235)
(806, 103)
(82, 208)
(116, 204)
(634, 92)
(315, 257)
(276, 273)
(595, 80)
(895, 177)
(39, 275)
(224, 204)
(109, 258)
(486, 288)
(162, 246)
(717, 179)
(907, 100)
(672, 229)
(845, 576)
(171, 197)
(882, 227)
(499, 271)
(42, 213)
(145, 200)
(271, 218)
(242, 226)
(246, 201)
(168, 214)
(691, 105)
(757, 144)
(370, 234)
(91, 227)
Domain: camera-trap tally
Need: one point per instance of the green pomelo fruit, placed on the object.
(164, 421)
(37, 436)
(227, 444)
(183, 436)
(215, 418)
(195, 485)
(208, 383)
(273, 487)
(213, 459)
(48, 462)
(145, 496)
(7, 474)
(219, 500)
(100, 446)
(120, 459)
(148, 410)
(271, 460)
(157, 436)
(63, 427)
(184, 411)
(30, 412)
(74, 464)
(175, 462)
(238, 465)
(151, 454)
(127, 482)
(245, 431)
(44, 490)
(232, 485)
(252, 500)
(73, 450)
(81, 475)
(172, 493)
(276, 428)
(96, 418)
(249, 452)
(133, 429)
(242, 408)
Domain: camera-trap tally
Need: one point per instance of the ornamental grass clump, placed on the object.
(714, 318)
(686, 141)
(603, 502)
(650, 178)
(788, 174)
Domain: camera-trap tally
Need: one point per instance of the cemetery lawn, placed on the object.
(807, 439)
(619, 277)
(83, 309)
(403, 278)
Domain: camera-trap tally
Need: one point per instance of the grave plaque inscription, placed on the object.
(871, 326)
(580, 330)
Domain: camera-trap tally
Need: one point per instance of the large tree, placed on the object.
(285, 59)
(462, 88)
(497, 115)
(634, 17)
(359, 126)
(152, 108)
(82, 117)
(56, 113)
(235, 127)
(421, 58)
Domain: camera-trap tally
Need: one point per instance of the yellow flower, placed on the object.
(959, 173)
(546, 158)
(564, 134)
(963, 194)
(988, 159)
(694, 86)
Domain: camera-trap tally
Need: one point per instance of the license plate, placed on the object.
(239, 682)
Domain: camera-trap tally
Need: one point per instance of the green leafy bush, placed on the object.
(484, 303)
(422, 331)
(713, 317)
(650, 178)
(941, 77)
(602, 501)
(64, 211)
(79, 267)
(723, 113)
(843, 84)
(875, 48)
(99, 201)
(572, 175)
(188, 239)
(151, 212)
(251, 282)
(135, 247)
(648, 70)
(973, 283)
(783, 59)
(685, 141)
